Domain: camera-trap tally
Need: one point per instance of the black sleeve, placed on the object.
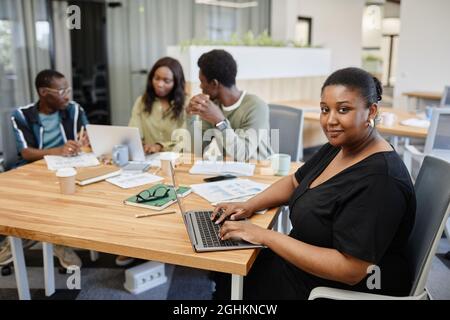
(312, 163)
(368, 217)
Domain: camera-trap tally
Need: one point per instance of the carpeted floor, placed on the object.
(445, 259)
(102, 279)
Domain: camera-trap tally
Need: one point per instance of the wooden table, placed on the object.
(312, 113)
(421, 97)
(95, 218)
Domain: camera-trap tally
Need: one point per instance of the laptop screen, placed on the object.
(175, 187)
(442, 138)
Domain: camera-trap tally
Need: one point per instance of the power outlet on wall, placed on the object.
(144, 277)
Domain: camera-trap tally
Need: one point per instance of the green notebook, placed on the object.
(162, 203)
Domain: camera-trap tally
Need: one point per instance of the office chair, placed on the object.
(433, 206)
(445, 100)
(436, 144)
(10, 156)
(289, 121)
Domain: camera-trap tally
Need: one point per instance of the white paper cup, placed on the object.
(66, 179)
(166, 158)
(165, 167)
(388, 119)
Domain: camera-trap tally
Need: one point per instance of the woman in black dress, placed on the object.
(352, 207)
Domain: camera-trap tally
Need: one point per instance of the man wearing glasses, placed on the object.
(51, 125)
(48, 127)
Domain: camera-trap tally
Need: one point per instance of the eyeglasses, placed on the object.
(61, 92)
(146, 195)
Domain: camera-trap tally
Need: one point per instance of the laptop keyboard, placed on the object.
(209, 231)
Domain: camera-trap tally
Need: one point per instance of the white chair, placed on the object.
(289, 121)
(437, 143)
(445, 100)
(433, 207)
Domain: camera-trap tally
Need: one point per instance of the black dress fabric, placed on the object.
(366, 211)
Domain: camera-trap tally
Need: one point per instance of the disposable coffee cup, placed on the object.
(281, 164)
(166, 159)
(66, 179)
(388, 119)
(165, 167)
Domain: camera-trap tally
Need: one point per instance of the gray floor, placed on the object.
(183, 283)
(438, 283)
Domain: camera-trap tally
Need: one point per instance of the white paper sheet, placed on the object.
(221, 167)
(83, 160)
(129, 180)
(227, 190)
(419, 123)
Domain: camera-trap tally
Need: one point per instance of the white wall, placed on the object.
(424, 48)
(337, 25)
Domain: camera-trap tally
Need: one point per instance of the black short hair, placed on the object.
(45, 77)
(368, 86)
(219, 65)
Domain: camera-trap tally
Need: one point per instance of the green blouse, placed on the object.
(158, 126)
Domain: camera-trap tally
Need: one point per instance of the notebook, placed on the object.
(159, 204)
(87, 176)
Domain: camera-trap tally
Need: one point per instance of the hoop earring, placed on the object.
(371, 123)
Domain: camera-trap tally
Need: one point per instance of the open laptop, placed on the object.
(438, 139)
(203, 232)
(104, 138)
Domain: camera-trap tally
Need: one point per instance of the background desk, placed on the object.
(422, 98)
(95, 218)
(314, 136)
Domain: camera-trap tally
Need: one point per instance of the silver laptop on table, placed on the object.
(203, 232)
(104, 138)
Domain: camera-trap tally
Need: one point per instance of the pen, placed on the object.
(81, 134)
(154, 214)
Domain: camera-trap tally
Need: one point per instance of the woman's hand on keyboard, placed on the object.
(242, 230)
(231, 211)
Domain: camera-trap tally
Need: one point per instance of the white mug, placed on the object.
(281, 164)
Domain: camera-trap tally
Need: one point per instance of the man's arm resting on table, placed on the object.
(32, 154)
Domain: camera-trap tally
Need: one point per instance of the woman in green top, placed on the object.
(160, 110)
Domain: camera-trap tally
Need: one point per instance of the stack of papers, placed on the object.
(221, 167)
(83, 160)
(222, 191)
(129, 180)
(413, 122)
